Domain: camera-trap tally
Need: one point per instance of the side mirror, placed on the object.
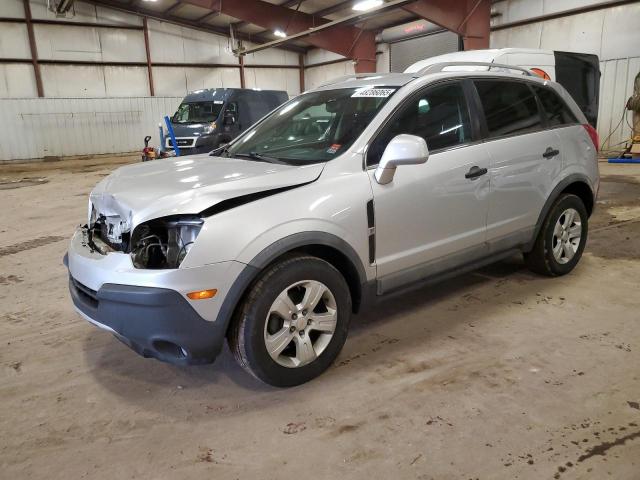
(229, 118)
(402, 150)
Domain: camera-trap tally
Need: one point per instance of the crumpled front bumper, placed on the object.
(148, 309)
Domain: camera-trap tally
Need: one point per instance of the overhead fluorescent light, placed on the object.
(365, 5)
(279, 33)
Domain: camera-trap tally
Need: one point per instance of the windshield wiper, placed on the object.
(259, 157)
(221, 150)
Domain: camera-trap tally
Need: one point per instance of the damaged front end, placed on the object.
(157, 244)
(164, 242)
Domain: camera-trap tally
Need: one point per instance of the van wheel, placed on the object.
(561, 239)
(293, 322)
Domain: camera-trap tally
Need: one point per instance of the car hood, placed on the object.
(188, 185)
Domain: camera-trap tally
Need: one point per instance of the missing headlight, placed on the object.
(164, 242)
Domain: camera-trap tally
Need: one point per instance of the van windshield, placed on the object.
(197, 112)
(313, 127)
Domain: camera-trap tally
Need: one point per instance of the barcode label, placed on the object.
(373, 92)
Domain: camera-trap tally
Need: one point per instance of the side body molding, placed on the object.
(555, 193)
(273, 251)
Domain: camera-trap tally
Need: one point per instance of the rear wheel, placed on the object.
(561, 239)
(293, 323)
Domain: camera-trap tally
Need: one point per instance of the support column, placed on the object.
(468, 18)
(145, 28)
(301, 71)
(34, 49)
(242, 82)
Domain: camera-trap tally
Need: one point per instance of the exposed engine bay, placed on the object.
(157, 244)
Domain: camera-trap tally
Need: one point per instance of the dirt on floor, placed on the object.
(496, 374)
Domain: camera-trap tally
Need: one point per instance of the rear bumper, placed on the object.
(154, 322)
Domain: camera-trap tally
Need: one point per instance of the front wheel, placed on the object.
(561, 239)
(293, 323)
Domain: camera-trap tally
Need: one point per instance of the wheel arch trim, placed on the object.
(276, 250)
(553, 196)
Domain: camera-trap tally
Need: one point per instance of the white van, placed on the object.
(578, 73)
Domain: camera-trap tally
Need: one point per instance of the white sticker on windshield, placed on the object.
(373, 92)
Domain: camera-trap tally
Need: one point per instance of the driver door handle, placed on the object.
(475, 172)
(550, 152)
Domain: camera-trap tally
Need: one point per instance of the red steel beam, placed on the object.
(148, 51)
(349, 41)
(301, 71)
(468, 18)
(33, 47)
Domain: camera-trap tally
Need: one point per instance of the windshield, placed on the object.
(314, 127)
(198, 112)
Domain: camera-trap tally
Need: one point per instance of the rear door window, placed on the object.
(510, 107)
(556, 111)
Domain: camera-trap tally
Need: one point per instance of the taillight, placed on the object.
(593, 133)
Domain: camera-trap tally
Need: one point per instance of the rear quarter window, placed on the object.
(556, 110)
(510, 107)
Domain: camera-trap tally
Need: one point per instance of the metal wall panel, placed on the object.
(165, 42)
(73, 80)
(12, 9)
(14, 41)
(271, 56)
(315, 76)
(56, 42)
(621, 32)
(173, 44)
(407, 52)
(110, 16)
(176, 81)
(383, 62)
(122, 45)
(17, 81)
(203, 47)
(517, 10)
(34, 128)
(578, 33)
(126, 81)
(287, 79)
(609, 33)
(199, 78)
(317, 55)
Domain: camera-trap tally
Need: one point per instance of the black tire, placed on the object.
(246, 335)
(541, 258)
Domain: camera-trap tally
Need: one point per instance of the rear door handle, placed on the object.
(550, 152)
(475, 172)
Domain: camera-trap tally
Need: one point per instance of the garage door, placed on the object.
(404, 53)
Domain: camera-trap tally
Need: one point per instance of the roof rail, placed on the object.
(439, 67)
(344, 78)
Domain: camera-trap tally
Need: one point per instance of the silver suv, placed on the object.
(340, 196)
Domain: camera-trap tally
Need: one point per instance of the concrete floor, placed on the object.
(498, 374)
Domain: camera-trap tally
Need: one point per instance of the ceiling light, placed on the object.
(367, 5)
(279, 33)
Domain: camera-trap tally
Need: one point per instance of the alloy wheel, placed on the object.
(300, 323)
(567, 235)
